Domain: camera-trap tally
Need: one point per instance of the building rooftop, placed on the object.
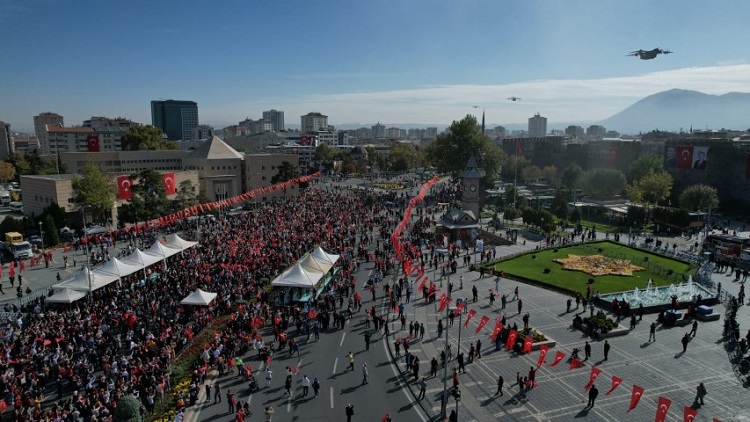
(215, 149)
(76, 129)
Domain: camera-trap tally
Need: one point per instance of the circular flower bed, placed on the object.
(597, 265)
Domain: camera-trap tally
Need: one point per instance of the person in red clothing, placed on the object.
(455, 378)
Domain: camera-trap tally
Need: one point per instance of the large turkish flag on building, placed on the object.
(123, 187)
(684, 157)
(92, 143)
(169, 186)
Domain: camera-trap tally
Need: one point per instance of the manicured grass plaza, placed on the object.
(538, 266)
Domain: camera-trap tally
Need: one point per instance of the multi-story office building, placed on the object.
(203, 132)
(41, 122)
(378, 131)
(313, 122)
(430, 133)
(175, 118)
(537, 126)
(596, 131)
(7, 143)
(276, 118)
(80, 138)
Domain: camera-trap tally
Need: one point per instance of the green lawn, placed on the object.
(532, 265)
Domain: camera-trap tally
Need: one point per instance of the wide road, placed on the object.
(326, 359)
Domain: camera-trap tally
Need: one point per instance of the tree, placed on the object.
(653, 188)
(186, 196)
(575, 216)
(10, 224)
(514, 166)
(559, 206)
(571, 176)
(149, 198)
(127, 410)
(7, 172)
(146, 137)
(550, 173)
(59, 216)
(94, 189)
(287, 171)
(51, 235)
(699, 197)
(531, 173)
(20, 163)
(603, 182)
(644, 165)
(402, 157)
(450, 151)
(325, 154)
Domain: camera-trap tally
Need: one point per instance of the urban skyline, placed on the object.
(570, 67)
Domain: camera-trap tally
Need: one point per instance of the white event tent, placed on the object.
(174, 241)
(162, 251)
(65, 295)
(199, 298)
(308, 271)
(118, 268)
(141, 259)
(87, 281)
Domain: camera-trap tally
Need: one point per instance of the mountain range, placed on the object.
(683, 109)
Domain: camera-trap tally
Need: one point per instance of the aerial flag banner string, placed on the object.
(398, 248)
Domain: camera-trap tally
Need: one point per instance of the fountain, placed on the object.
(656, 296)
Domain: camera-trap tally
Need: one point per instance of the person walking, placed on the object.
(422, 389)
(593, 393)
(305, 385)
(532, 377)
(269, 376)
(700, 393)
(500, 382)
(606, 349)
(685, 341)
(349, 412)
(652, 332)
(316, 387)
(230, 401)
(208, 392)
(520, 306)
(288, 385)
(368, 336)
(269, 413)
(460, 360)
(350, 356)
(364, 374)
(479, 349)
(515, 293)
(217, 393)
(568, 304)
(587, 350)
(695, 328)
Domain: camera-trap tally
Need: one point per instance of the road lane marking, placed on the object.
(343, 336)
(331, 397)
(335, 362)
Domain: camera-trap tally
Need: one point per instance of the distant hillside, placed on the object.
(679, 108)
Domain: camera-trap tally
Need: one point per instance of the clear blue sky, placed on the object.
(400, 61)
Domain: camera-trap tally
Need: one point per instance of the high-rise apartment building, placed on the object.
(537, 126)
(175, 118)
(378, 131)
(41, 122)
(276, 118)
(313, 122)
(7, 143)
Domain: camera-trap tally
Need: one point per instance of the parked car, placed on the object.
(35, 240)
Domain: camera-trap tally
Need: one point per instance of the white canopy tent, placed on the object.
(65, 295)
(118, 268)
(174, 241)
(142, 260)
(81, 281)
(311, 264)
(162, 251)
(322, 256)
(296, 276)
(199, 298)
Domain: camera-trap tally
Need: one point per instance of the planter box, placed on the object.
(616, 332)
(709, 317)
(550, 343)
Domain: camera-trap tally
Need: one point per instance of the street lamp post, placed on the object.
(444, 405)
(41, 236)
(86, 250)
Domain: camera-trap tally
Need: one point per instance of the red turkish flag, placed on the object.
(616, 381)
(689, 414)
(92, 143)
(497, 329)
(169, 183)
(527, 343)
(635, 397)
(519, 150)
(444, 299)
(542, 355)
(485, 319)
(123, 187)
(595, 372)
(459, 308)
(576, 363)
(469, 317)
(716, 420)
(512, 336)
(421, 285)
(662, 408)
(558, 358)
(684, 157)
(612, 160)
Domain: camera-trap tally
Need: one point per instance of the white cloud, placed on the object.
(558, 100)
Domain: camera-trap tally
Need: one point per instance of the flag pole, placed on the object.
(515, 178)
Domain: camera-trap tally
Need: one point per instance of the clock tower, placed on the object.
(471, 187)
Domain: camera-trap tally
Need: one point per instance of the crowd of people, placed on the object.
(123, 338)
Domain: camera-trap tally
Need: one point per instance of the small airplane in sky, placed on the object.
(648, 54)
(514, 98)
